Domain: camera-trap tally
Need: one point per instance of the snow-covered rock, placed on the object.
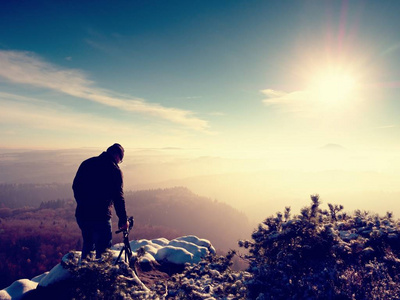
(40, 277)
(185, 249)
(175, 255)
(161, 241)
(16, 290)
(197, 241)
(58, 273)
(198, 252)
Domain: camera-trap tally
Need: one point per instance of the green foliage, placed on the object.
(321, 254)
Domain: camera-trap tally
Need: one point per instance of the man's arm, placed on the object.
(119, 201)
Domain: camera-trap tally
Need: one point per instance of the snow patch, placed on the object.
(348, 235)
(174, 255)
(16, 290)
(58, 273)
(161, 241)
(197, 241)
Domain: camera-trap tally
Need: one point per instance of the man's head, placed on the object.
(116, 151)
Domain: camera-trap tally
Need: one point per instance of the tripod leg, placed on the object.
(119, 256)
(132, 264)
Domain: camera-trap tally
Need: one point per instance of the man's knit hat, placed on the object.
(116, 149)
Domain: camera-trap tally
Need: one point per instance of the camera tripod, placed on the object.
(127, 246)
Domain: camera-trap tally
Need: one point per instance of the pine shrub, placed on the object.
(324, 254)
(212, 278)
(101, 279)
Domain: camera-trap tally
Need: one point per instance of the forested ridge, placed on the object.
(32, 195)
(34, 237)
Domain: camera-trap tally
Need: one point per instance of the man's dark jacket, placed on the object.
(98, 185)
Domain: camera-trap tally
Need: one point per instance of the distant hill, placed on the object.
(182, 210)
(333, 147)
(32, 195)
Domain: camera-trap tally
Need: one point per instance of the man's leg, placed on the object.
(87, 235)
(102, 237)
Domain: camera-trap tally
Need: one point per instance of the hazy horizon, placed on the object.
(257, 187)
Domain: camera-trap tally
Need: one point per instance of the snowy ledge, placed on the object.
(182, 250)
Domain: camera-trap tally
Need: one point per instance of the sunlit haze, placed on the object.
(335, 88)
(257, 104)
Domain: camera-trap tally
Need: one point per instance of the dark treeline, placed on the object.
(33, 239)
(31, 195)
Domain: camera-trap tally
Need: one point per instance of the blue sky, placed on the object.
(223, 77)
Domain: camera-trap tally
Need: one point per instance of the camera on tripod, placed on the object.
(131, 221)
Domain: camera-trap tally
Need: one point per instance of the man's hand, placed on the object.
(125, 226)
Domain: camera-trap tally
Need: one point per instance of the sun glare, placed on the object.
(334, 88)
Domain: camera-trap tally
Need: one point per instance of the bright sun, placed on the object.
(334, 87)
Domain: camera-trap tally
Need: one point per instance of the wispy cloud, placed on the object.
(387, 126)
(42, 115)
(293, 101)
(392, 49)
(272, 94)
(217, 113)
(27, 68)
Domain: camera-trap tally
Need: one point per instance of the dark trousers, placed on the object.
(97, 235)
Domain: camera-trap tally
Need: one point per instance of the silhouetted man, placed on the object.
(98, 185)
